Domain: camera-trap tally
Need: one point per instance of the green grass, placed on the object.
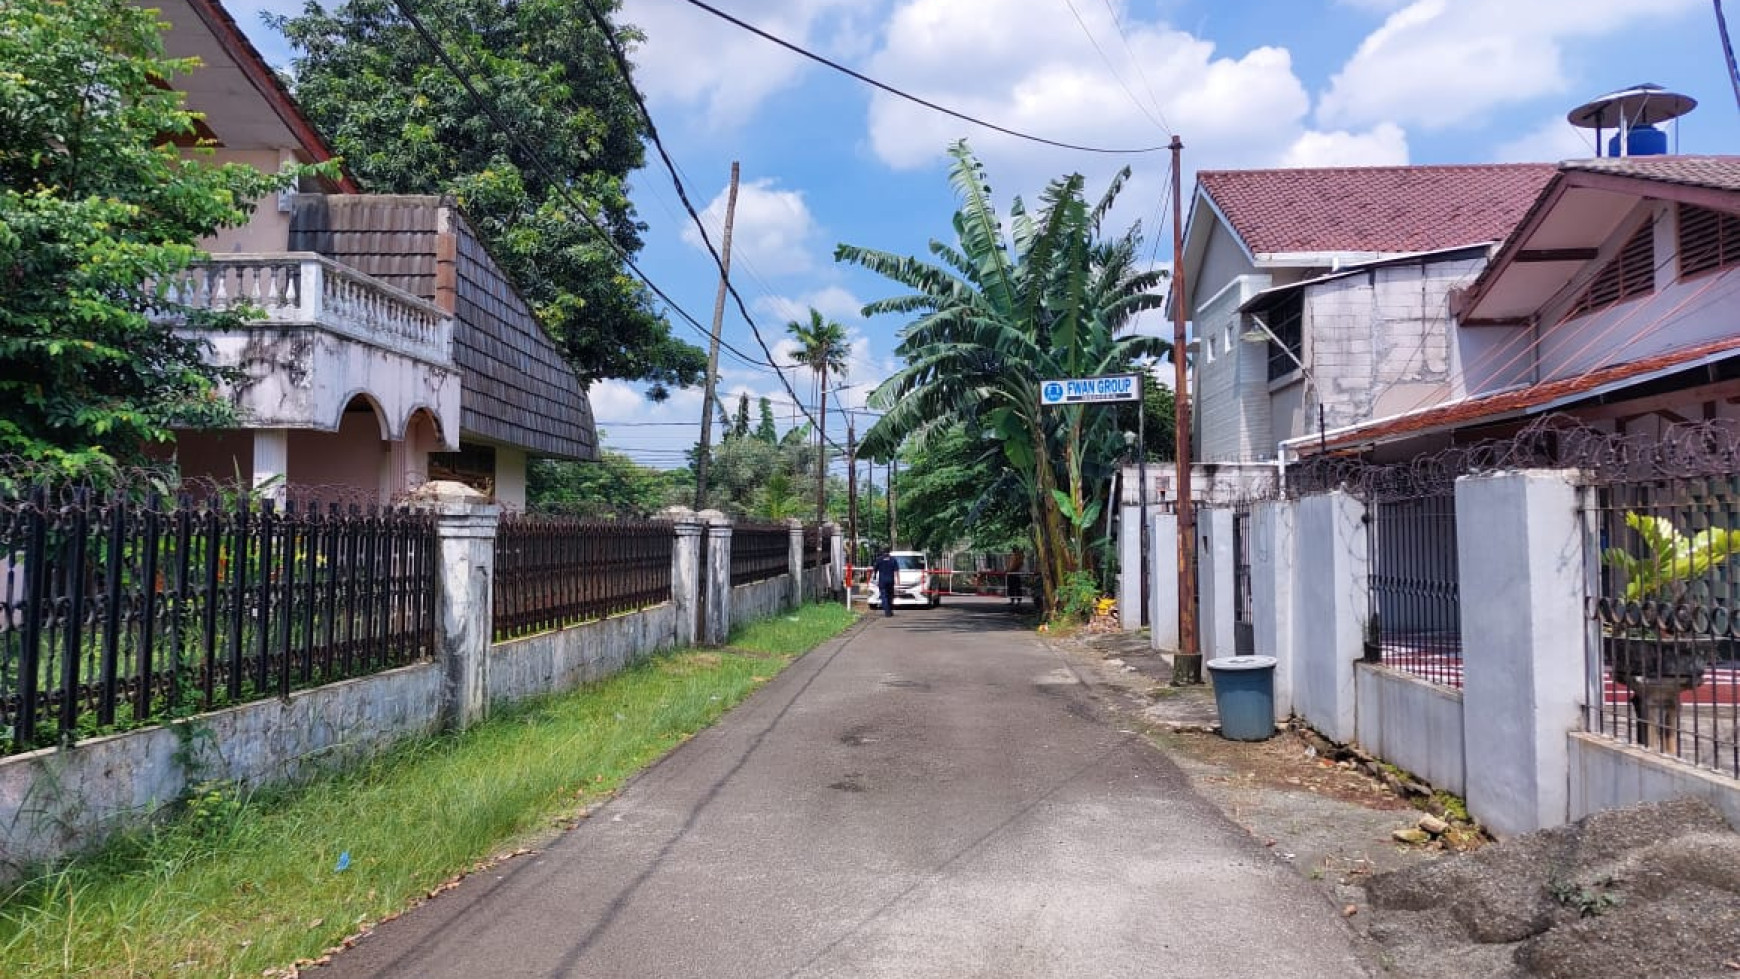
(237, 885)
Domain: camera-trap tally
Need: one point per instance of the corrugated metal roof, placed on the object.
(1374, 209)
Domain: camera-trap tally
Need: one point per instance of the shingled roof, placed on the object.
(1715, 172)
(1374, 209)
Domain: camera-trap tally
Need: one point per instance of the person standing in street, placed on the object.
(885, 567)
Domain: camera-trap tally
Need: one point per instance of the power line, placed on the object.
(891, 90)
(1119, 78)
(1118, 23)
(556, 181)
(621, 60)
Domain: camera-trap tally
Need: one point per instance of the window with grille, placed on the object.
(1709, 240)
(1286, 320)
(1631, 273)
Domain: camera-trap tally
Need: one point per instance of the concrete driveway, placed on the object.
(932, 795)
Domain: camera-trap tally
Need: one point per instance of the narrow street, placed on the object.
(935, 794)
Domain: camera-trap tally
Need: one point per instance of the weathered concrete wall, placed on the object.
(1605, 774)
(1214, 572)
(1412, 724)
(565, 659)
(1232, 378)
(1273, 566)
(760, 600)
(1331, 603)
(1163, 562)
(56, 801)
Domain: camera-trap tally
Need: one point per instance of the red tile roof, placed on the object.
(1375, 209)
(1715, 172)
(1494, 407)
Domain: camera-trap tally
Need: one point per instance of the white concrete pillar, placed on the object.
(1163, 581)
(1214, 573)
(795, 561)
(1129, 567)
(464, 605)
(685, 571)
(836, 556)
(1272, 569)
(1520, 551)
(271, 460)
(1331, 591)
(716, 580)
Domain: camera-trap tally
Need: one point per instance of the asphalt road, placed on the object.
(933, 795)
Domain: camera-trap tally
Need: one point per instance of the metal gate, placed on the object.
(1244, 633)
(1416, 604)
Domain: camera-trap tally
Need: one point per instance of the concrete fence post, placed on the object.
(1129, 567)
(835, 556)
(1214, 575)
(1272, 564)
(465, 527)
(685, 571)
(1332, 590)
(1520, 556)
(716, 580)
(1163, 579)
(795, 561)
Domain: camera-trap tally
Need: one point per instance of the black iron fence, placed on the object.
(1667, 674)
(1415, 622)
(759, 552)
(553, 571)
(123, 607)
(1244, 625)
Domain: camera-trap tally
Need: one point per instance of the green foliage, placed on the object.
(1672, 558)
(1590, 901)
(823, 347)
(957, 488)
(997, 314)
(1158, 418)
(96, 205)
(406, 125)
(613, 485)
(1077, 596)
(764, 428)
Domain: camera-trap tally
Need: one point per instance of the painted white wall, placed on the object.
(1606, 775)
(1214, 569)
(1520, 543)
(1273, 568)
(510, 476)
(1163, 575)
(1412, 724)
(1331, 599)
(1231, 378)
(1129, 563)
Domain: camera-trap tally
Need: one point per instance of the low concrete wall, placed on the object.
(818, 583)
(566, 658)
(55, 801)
(1605, 774)
(760, 600)
(1411, 724)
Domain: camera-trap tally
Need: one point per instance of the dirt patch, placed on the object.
(1651, 892)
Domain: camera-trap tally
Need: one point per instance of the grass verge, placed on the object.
(240, 884)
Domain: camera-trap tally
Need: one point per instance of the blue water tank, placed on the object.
(1643, 141)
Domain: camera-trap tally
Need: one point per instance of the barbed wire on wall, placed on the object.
(1709, 448)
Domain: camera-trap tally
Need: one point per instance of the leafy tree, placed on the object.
(1157, 409)
(405, 125)
(822, 346)
(957, 487)
(996, 314)
(613, 485)
(740, 424)
(97, 205)
(764, 429)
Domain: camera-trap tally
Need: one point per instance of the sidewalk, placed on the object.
(936, 794)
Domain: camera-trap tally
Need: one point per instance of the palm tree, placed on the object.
(823, 347)
(998, 314)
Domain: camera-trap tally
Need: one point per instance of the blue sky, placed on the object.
(1245, 83)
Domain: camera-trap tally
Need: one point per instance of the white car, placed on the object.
(912, 583)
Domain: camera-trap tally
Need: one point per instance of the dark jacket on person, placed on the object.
(885, 568)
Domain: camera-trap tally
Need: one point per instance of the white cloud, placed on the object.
(1553, 140)
(1437, 63)
(693, 58)
(833, 302)
(1383, 145)
(773, 232)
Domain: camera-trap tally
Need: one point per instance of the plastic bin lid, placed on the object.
(1242, 663)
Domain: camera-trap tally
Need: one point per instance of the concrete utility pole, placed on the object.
(851, 502)
(893, 471)
(706, 446)
(1187, 663)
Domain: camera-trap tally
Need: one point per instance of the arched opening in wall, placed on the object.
(422, 437)
(349, 458)
(473, 465)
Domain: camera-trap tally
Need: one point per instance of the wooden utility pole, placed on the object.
(706, 447)
(893, 471)
(822, 447)
(851, 502)
(1187, 663)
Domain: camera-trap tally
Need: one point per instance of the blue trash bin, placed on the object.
(1244, 695)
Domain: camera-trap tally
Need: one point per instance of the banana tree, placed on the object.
(994, 315)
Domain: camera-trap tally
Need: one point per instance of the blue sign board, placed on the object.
(1087, 390)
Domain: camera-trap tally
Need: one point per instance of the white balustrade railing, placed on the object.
(308, 289)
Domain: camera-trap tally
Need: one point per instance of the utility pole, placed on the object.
(1187, 662)
(713, 346)
(893, 471)
(851, 502)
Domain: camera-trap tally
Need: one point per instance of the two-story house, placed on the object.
(392, 348)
